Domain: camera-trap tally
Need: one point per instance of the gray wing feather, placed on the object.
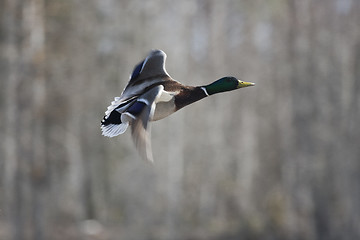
(151, 72)
(140, 127)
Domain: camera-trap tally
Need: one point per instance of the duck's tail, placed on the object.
(112, 126)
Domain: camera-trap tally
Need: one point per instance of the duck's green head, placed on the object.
(226, 84)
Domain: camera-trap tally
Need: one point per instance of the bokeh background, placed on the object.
(280, 160)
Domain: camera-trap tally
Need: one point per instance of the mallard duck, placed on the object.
(152, 94)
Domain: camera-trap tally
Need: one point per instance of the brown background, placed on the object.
(280, 160)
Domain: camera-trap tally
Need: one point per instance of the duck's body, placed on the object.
(151, 95)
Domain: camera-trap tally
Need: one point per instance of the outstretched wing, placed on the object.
(151, 71)
(140, 128)
(148, 72)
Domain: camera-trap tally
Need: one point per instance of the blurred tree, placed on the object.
(278, 161)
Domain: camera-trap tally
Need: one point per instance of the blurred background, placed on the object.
(280, 160)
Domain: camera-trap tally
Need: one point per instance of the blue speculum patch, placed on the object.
(137, 70)
(136, 108)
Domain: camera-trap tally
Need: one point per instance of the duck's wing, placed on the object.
(148, 72)
(142, 111)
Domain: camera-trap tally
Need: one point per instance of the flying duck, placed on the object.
(150, 95)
